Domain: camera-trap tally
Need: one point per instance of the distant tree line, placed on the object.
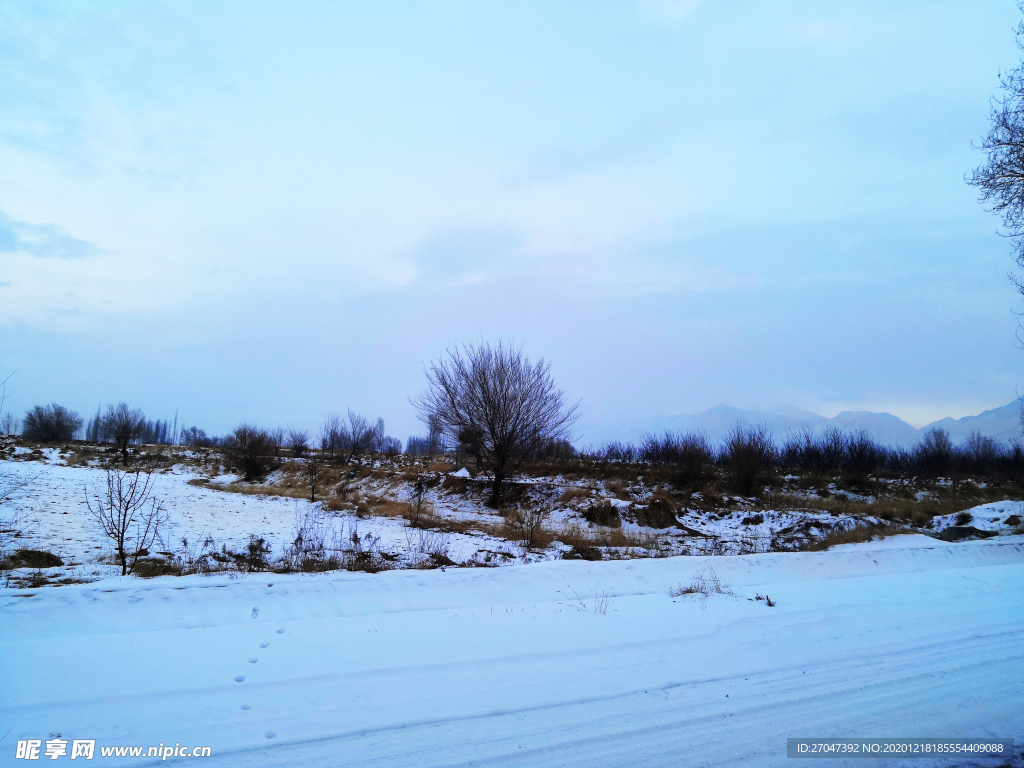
(492, 406)
(750, 452)
(256, 451)
(119, 424)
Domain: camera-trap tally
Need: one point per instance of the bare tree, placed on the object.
(313, 471)
(8, 424)
(12, 486)
(194, 437)
(129, 514)
(435, 436)
(122, 426)
(528, 525)
(377, 442)
(331, 436)
(1001, 178)
(298, 441)
(497, 392)
(360, 434)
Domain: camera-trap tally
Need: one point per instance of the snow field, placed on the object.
(506, 667)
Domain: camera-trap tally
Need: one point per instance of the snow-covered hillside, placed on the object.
(552, 663)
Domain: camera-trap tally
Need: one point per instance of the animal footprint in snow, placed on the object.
(245, 706)
(255, 613)
(240, 679)
(253, 661)
(264, 645)
(280, 631)
(270, 735)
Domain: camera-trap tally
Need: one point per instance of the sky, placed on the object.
(269, 212)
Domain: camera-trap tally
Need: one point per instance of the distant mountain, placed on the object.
(999, 423)
(884, 427)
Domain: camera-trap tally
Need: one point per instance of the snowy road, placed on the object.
(504, 667)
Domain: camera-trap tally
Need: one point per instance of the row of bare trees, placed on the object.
(256, 451)
(120, 425)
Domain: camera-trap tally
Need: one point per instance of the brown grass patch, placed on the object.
(857, 535)
(918, 512)
(572, 534)
(618, 489)
(260, 490)
(388, 507)
(571, 494)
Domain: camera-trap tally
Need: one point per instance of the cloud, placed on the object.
(47, 241)
(469, 254)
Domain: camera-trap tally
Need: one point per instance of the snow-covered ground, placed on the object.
(53, 516)
(528, 665)
(986, 517)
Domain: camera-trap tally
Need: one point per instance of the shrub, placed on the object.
(624, 453)
(51, 424)
(660, 512)
(934, 455)
(298, 441)
(251, 450)
(749, 453)
(690, 452)
(603, 513)
(194, 437)
(34, 558)
(863, 455)
(703, 584)
(527, 527)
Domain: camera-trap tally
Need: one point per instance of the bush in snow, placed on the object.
(749, 453)
(51, 424)
(252, 450)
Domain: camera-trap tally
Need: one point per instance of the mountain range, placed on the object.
(1001, 423)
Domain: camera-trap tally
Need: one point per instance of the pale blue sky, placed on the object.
(272, 211)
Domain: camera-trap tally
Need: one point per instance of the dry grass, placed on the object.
(255, 490)
(618, 489)
(857, 535)
(571, 494)
(388, 507)
(918, 512)
(572, 534)
(703, 584)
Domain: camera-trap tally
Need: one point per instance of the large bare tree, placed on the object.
(510, 405)
(1000, 179)
(128, 513)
